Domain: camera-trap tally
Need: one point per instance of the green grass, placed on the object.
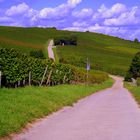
(45, 51)
(134, 90)
(56, 55)
(106, 53)
(23, 105)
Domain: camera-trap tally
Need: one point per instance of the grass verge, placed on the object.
(23, 105)
(134, 90)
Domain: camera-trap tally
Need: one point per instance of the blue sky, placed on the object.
(113, 17)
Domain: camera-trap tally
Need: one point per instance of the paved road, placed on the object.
(111, 114)
(50, 50)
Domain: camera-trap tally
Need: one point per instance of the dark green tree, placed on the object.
(136, 40)
(134, 71)
(66, 40)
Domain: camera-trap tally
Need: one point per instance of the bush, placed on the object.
(128, 77)
(134, 71)
(138, 81)
(136, 40)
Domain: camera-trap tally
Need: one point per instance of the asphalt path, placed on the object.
(111, 114)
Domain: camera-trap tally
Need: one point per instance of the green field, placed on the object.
(106, 53)
(134, 90)
(22, 105)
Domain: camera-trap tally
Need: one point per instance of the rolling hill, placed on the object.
(106, 53)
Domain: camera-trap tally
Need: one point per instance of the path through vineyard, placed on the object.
(111, 114)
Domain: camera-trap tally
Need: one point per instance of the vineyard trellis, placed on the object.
(19, 69)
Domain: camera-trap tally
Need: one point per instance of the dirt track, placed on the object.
(111, 114)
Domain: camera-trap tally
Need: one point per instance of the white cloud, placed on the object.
(117, 20)
(104, 12)
(6, 19)
(57, 12)
(60, 11)
(103, 29)
(84, 13)
(126, 18)
(17, 10)
(73, 3)
(80, 24)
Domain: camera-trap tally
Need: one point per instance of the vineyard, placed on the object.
(19, 69)
(99, 48)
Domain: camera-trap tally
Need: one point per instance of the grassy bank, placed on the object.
(134, 90)
(23, 105)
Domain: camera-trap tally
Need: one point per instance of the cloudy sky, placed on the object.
(114, 17)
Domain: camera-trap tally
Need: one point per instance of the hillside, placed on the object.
(106, 53)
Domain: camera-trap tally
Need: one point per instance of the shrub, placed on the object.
(136, 40)
(128, 77)
(134, 70)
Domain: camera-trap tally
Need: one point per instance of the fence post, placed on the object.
(48, 80)
(24, 82)
(64, 79)
(0, 79)
(44, 76)
(30, 78)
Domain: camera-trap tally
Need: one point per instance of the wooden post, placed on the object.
(64, 79)
(29, 78)
(87, 77)
(18, 83)
(24, 82)
(88, 69)
(48, 80)
(0, 79)
(44, 76)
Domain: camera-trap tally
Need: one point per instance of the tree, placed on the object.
(136, 40)
(134, 71)
(66, 40)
